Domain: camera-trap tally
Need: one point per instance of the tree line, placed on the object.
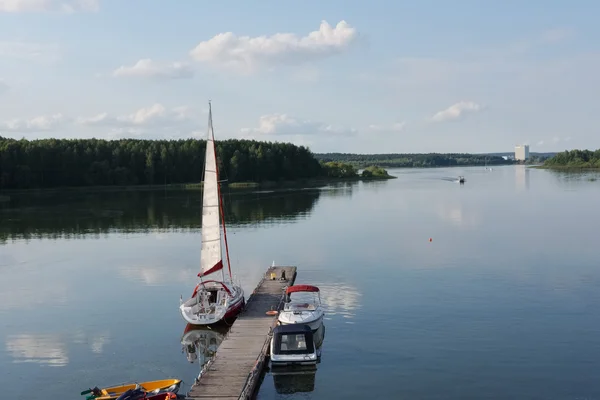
(575, 159)
(414, 160)
(50, 163)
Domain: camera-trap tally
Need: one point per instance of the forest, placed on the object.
(574, 159)
(414, 160)
(51, 163)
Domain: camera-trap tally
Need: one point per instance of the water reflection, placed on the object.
(573, 176)
(52, 349)
(340, 299)
(456, 214)
(522, 177)
(36, 216)
(300, 380)
(47, 350)
(339, 189)
(200, 343)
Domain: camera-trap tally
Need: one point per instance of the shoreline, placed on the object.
(300, 183)
(567, 168)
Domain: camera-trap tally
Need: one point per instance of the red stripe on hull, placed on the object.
(235, 310)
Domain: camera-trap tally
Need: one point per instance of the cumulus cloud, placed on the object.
(64, 6)
(396, 127)
(285, 125)
(456, 111)
(156, 121)
(35, 124)
(147, 68)
(247, 54)
(155, 115)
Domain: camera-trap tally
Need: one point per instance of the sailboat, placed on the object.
(212, 300)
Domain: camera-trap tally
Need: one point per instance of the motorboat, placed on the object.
(297, 310)
(151, 387)
(293, 344)
(212, 300)
(461, 179)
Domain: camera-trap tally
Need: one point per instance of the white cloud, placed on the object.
(35, 124)
(285, 125)
(146, 68)
(155, 115)
(156, 121)
(456, 111)
(396, 127)
(247, 54)
(64, 6)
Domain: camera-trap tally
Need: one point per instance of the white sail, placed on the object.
(211, 256)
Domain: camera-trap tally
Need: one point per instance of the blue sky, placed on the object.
(348, 76)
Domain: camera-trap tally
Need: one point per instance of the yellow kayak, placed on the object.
(111, 393)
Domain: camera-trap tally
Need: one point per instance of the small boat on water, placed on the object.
(298, 311)
(212, 300)
(151, 387)
(293, 345)
(461, 179)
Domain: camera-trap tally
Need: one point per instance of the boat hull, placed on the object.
(314, 321)
(112, 392)
(234, 307)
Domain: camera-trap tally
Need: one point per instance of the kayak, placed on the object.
(113, 392)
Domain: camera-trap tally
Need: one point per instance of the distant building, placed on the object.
(522, 152)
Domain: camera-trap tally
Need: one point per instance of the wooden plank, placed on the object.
(236, 369)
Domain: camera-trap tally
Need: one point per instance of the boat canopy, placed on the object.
(293, 339)
(301, 288)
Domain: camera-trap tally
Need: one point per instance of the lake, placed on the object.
(503, 302)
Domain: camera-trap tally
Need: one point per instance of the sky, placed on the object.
(336, 76)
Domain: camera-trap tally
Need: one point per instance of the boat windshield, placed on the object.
(303, 299)
(293, 343)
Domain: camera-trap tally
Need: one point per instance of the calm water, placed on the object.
(504, 302)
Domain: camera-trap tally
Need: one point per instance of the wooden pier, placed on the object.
(236, 369)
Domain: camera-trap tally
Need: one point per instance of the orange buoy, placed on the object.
(430, 239)
(272, 312)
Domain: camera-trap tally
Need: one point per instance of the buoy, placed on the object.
(430, 239)
(272, 312)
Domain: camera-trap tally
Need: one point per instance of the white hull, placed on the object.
(195, 312)
(314, 319)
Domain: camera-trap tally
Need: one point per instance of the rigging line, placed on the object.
(212, 130)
